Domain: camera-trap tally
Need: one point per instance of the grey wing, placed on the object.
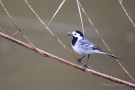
(85, 43)
(96, 48)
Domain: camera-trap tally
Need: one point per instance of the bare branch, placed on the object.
(80, 14)
(68, 62)
(2, 30)
(57, 11)
(15, 33)
(120, 1)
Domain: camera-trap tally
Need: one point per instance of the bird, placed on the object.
(85, 47)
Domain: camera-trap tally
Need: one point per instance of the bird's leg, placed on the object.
(85, 66)
(79, 60)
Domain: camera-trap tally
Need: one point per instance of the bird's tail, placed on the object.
(111, 55)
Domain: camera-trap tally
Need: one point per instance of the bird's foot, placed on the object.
(79, 60)
(85, 66)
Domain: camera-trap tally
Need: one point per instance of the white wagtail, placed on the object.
(83, 46)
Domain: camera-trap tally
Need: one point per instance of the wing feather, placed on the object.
(85, 43)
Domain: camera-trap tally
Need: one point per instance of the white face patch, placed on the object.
(75, 34)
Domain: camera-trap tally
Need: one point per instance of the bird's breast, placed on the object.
(78, 50)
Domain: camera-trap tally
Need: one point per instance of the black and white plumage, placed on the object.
(83, 46)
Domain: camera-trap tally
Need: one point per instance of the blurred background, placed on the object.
(23, 69)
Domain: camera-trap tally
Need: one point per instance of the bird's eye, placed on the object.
(75, 33)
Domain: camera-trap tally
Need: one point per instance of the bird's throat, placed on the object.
(74, 40)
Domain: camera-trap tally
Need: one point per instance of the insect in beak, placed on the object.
(69, 34)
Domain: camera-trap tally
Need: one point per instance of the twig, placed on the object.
(80, 14)
(2, 30)
(120, 1)
(105, 42)
(15, 33)
(68, 62)
(57, 11)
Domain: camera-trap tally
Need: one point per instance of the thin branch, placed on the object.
(2, 30)
(67, 62)
(80, 14)
(120, 1)
(57, 11)
(105, 42)
(15, 33)
(11, 17)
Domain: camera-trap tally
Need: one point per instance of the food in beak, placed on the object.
(69, 34)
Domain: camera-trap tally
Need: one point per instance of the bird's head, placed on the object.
(76, 34)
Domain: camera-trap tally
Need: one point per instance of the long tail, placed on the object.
(111, 55)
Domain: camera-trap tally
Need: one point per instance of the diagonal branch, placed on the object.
(120, 1)
(2, 30)
(46, 54)
(80, 14)
(56, 11)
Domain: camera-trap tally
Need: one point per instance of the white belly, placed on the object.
(82, 51)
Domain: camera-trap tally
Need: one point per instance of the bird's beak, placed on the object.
(69, 34)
